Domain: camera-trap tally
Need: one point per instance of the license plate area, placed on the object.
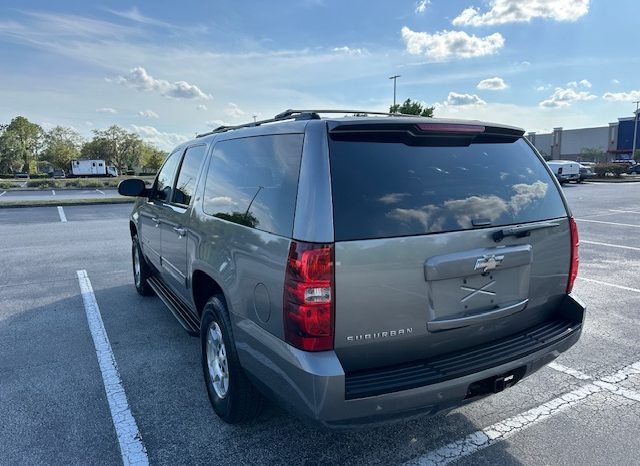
(457, 288)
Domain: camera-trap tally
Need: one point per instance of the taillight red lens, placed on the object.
(308, 296)
(575, 243)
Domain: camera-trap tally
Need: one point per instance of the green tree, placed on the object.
(25, 139)
(116, 145)
(636, 156)
(409, 107)
(151, 157)
(593, 154)
(10, 155)
(62, 145)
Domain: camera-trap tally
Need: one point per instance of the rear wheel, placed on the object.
(233, 397)
(141, 270)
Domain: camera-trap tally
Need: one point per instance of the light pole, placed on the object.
(395, 78)
(635, 129)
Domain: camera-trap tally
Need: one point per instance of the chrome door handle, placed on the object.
(180, 230)
(156, 220)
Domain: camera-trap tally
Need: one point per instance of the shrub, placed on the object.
(41, 183)
(6, 185)
(616, 170)
(39, 176)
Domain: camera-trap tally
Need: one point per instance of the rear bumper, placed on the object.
(568, 177)
(314, 385)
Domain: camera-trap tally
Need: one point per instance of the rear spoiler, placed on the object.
(425, 134)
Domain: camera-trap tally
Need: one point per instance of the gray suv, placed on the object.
(363, 269)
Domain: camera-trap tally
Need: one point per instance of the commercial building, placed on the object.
(614, 140)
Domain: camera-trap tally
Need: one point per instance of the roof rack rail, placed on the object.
(292, 114)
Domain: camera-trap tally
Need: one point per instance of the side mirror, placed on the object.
(133, 187)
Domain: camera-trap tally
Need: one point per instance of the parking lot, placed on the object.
(583, 409)
(56, 194)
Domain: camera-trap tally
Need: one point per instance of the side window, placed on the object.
(253, 181)
(164, 181)
(188, 174)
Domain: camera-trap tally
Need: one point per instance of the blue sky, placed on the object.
(170, 69)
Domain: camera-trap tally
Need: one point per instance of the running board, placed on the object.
(179, 310)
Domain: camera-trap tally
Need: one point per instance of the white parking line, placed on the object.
(568, 370)
(624, 211)
(3, 193)
(132, 449)
(608, 223)
(63, 217)
(100, 192)
(53, 193)
(610, 284)
(503, 430)
(631, 248)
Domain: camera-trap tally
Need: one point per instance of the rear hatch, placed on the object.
(447, 237)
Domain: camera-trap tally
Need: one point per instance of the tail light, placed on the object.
(308, 296)
(575, 242)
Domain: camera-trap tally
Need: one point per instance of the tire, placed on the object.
(141, 270)
(233, 397)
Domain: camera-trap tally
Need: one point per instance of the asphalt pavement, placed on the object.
(53, 194)
(54, 409)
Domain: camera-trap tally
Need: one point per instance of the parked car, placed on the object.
(359, 270)
(634, 170)
(58, 174)
(586, 173)
(565, 170)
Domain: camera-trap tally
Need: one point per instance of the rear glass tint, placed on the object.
(384, 190)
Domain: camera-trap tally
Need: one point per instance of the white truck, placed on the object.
(565, 170)
(91, 168)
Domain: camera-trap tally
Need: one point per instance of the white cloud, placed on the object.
(585, 83)
(492, 84)
(565, 97)
(521, 11)
(233, 110)
(350, 51)
(463, 99)
(215, 123)
(161, 139)
(421, 7)
(450, 44)
(202, 107)
(622, 96)
(148, 114)
(615, 81)
(139, 79)
(544, 87)
(106, 110)
(88, 123)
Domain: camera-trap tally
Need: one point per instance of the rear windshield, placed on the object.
(383, 190)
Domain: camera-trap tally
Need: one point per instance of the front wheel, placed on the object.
(141, 270)
(232, 395)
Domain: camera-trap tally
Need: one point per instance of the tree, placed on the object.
(151, 157)
(409, 107)
(636, 156)
(25, 139)
(593, 154)
(62, 145)
(115, 145)
(10, 155)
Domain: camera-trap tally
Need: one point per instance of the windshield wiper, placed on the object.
(521, 231)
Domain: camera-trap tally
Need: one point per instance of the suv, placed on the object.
(359, 270)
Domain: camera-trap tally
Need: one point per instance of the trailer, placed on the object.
(91, 168)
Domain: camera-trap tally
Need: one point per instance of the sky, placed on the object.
(169, 70)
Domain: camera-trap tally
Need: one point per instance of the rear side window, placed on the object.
(188, 174)
(253, 181)
(164, 181)
(384, 190)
